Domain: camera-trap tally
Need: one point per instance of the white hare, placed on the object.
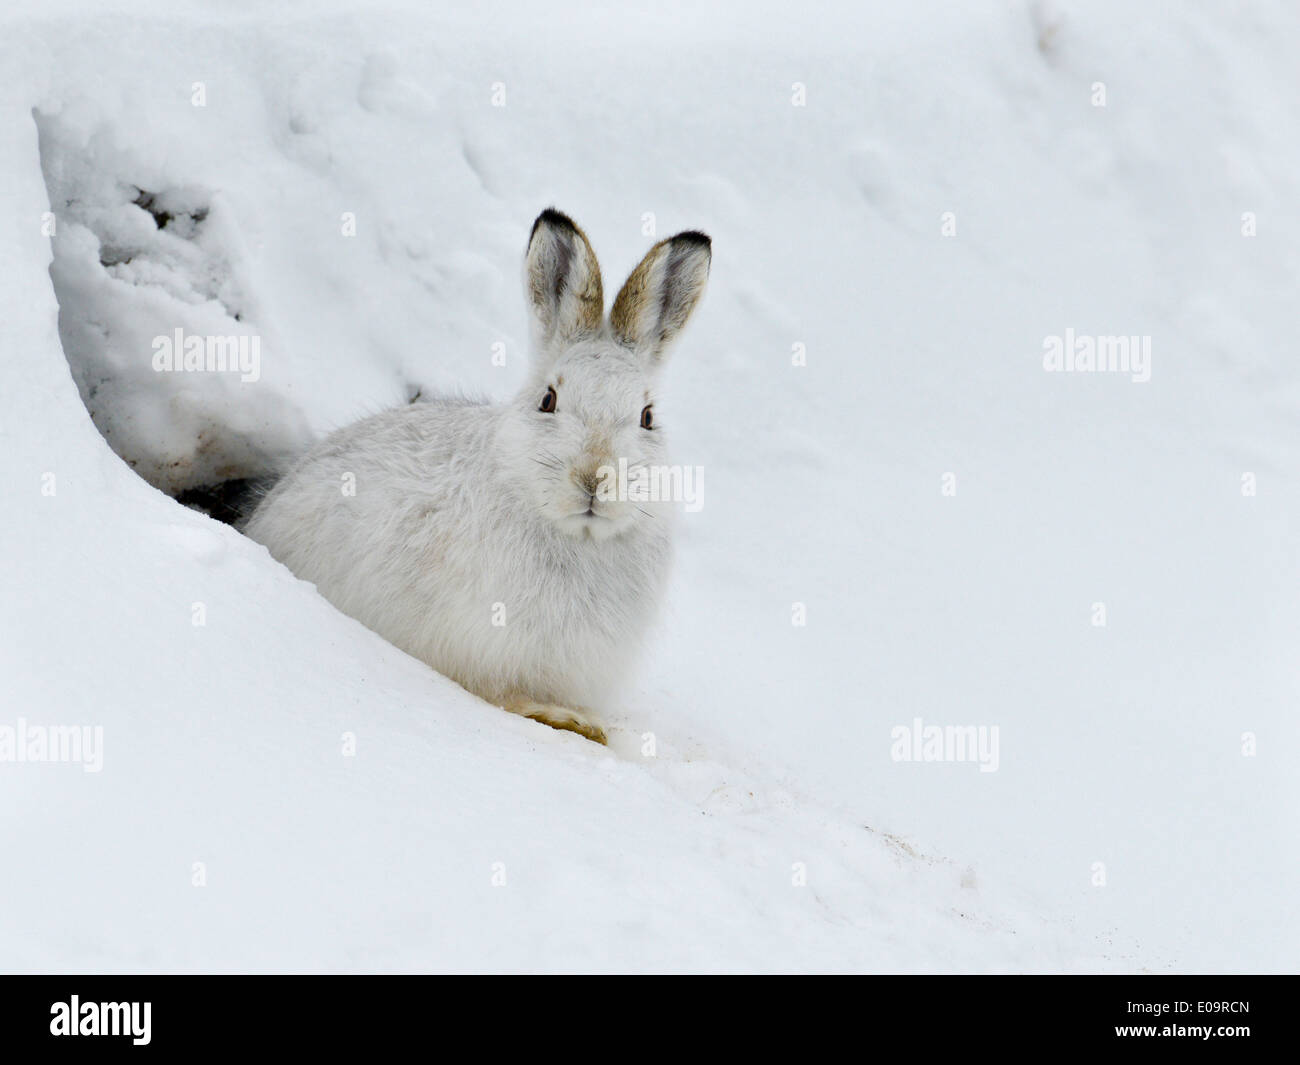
(481, 537)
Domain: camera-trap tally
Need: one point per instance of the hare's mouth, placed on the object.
(591, 521)
(590, 512)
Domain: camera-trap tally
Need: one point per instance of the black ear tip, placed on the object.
(553, 218)
(696, 238)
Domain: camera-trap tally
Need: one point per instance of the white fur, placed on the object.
(468, 512)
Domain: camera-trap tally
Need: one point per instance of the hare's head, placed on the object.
(585, 422)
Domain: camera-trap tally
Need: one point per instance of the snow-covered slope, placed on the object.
(349, 808)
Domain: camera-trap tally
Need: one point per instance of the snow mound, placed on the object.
(140, 267)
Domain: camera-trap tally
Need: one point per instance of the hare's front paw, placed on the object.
(560, 717)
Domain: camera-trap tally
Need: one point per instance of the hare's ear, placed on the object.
(658, 298)
(562, 280)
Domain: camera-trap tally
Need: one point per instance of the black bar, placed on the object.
(379, 1013)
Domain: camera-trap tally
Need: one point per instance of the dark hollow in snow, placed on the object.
(232, 502)
(148, 201)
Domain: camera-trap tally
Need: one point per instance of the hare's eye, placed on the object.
(647, 418)
(548, 402)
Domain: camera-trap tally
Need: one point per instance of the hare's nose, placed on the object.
(588, 479)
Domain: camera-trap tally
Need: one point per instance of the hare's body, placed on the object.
(437, 554)
(486, 539)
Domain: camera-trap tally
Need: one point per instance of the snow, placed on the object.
(770, 829)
